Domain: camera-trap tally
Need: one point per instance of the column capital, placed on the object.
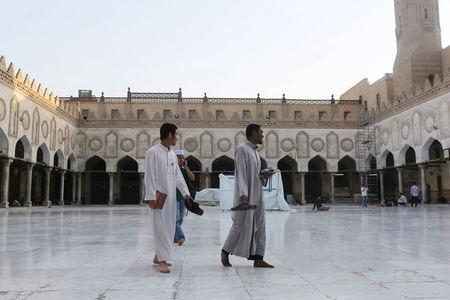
(62, 172)
(6, 161)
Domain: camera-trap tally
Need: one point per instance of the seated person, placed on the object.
(318, 204)
(402, 200)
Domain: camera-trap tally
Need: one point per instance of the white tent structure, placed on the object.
(273, 194)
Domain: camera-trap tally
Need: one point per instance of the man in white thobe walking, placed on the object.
(162, 178)
(247, 236)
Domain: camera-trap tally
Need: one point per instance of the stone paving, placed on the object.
(105, 253)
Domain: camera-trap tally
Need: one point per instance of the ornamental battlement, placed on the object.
(36, 91)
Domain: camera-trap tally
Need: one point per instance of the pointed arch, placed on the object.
(72, 163)
(347, 163)
(194, 164)
(43, 154)
(432, 150)
(97, 181)
(317, 163)
(371, 162)
(387, 159)
(222, 164)
(4, 143)
(95, 163)
(58, 159)
(23, 148)
(127, 163)
(287, 163)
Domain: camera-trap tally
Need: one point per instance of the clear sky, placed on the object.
(227, 48)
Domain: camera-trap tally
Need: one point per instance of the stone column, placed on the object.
(78, 188)
(74, 188)
(333, 200)
(141, 188)
(111, 189)
(47, 185)
(382, 187)
(29, 184)
(5, 183)
(423, 182)
(207, 179)
(302, 187)
(400, 180)
(61, 187)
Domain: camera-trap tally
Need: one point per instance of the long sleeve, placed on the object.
(181, 184)
(150, 176)
(241, 172)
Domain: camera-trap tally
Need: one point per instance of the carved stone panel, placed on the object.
(206, 145)
(347, 145)
(25, 120)
(405, 131)
(60, 136)
(13, 118)
(53, 134)
(66, 140)
(287, 145)
(111, 146)
(2, 110)
(224, 144)
(417, 129)
(332, 145)
(127, 145)
(143, 144)
(272, 145)
(302, 145)
(44, 129)
(81, 144)
(95, 144)
(190, 145)
(444, 119)
(317, 144)
(36, 128)
(395, 135)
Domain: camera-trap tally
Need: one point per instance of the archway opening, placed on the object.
(97, 181)
(128, 177)
(347, 180)
(289, 168)
(317, 180)
(221, 165)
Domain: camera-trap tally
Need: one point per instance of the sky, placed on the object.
(226, 48)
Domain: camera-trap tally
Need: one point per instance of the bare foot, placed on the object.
(259, 263)
(164, 267)
(180, 242)
(157, 262)
(225, 259)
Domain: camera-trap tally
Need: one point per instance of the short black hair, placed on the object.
(251, 129)
(166, 129)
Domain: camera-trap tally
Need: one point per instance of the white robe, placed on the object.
(247, 236)
(163, 174)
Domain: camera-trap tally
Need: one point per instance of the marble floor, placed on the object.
(105, 253)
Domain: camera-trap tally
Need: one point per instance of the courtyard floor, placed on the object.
(105, 253)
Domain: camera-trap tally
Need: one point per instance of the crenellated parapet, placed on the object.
(37, 92)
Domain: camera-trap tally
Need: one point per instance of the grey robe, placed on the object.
(247, 235)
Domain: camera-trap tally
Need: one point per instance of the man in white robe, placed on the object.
(162, 178)
(247, 236)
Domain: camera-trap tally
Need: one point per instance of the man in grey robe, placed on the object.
(247, 236)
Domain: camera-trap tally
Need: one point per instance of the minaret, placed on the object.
(419, 46)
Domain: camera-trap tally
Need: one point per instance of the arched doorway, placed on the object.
(317, 180)
(289, 168)
(127, 169)
(372, 177)
(347, 181)
(436, 170)
(17, 176)
(55, 177)
(97, 181)
(39, 176)
(390, 178)
(196, 167)
(69, 180)
(224, 165)
(410, 171)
